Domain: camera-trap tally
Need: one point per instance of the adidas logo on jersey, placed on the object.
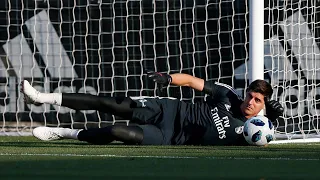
(227, 106)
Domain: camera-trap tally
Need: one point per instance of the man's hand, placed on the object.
(273, 110)
(162, 79)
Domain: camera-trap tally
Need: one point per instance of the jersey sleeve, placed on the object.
(209, 88)
(216, 89)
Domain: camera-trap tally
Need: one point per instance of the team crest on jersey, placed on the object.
(227, 106)
(142, 101)
(238, 129)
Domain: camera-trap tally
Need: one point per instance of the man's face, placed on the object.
(252, 104)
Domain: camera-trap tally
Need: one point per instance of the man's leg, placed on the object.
(123, 133)
(120, 106)
(134, 134)
(127, 134)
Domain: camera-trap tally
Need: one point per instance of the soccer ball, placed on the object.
(258, 130)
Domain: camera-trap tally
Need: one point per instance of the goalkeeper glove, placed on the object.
(162, 79)
(273, 110)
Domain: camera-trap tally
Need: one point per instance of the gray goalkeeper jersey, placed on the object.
(218, 120)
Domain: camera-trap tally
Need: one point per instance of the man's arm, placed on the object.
(178, 79)
(181, 79)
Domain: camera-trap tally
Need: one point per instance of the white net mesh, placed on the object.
(102, 47)
(292, 63)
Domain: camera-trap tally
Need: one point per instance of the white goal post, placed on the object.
(103, 46)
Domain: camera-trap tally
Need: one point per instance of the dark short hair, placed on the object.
(261, 86)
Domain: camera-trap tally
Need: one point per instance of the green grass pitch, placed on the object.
(29, 158)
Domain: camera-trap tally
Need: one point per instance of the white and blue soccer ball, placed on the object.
(258, 130)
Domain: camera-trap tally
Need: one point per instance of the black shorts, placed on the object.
(160, 112)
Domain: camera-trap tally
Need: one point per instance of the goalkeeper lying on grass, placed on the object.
(164, 121)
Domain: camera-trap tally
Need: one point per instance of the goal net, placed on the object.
(103, 47)
(292, 62)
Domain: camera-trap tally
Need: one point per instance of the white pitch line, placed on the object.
(97, 155)
(159, 157)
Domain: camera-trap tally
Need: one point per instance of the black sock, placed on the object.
(96, 136)
(119, 106)
(123, 133)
